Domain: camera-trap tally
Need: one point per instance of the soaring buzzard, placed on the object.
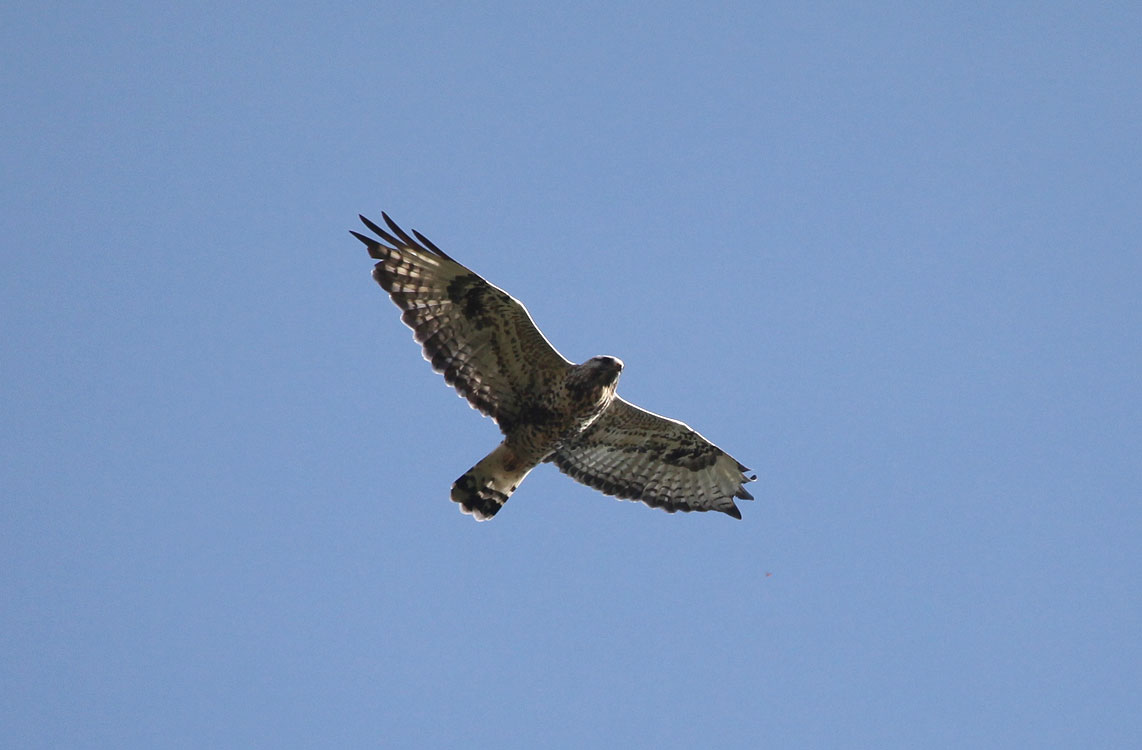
(549, 409)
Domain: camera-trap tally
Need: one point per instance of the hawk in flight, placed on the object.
(549, 409)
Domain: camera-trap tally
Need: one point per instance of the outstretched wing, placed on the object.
(633, 454)
(478, 336)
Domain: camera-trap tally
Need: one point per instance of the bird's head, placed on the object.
(595, 379)
(605, 368)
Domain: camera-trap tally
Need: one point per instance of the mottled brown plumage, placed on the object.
(487, 347)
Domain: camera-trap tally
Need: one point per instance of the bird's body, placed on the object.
(560, 415)
(488, 348)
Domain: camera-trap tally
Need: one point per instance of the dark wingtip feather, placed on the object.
(364, 220)
(743, 494)
(401, 238)
(408, 241)
(733, 511)
(375, 249)
(380, 232)
(430, 245)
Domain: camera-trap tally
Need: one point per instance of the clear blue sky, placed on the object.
(890, 258)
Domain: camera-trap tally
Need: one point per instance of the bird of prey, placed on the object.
(488, 348)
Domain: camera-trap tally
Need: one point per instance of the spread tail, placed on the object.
(484, 488)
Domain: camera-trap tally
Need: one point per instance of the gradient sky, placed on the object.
(889, 257)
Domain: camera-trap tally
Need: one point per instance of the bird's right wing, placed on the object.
(481, 338)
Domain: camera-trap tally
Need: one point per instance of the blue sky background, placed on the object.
(890, 258)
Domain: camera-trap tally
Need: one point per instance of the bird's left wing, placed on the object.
(634, 454)
(479, 337)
